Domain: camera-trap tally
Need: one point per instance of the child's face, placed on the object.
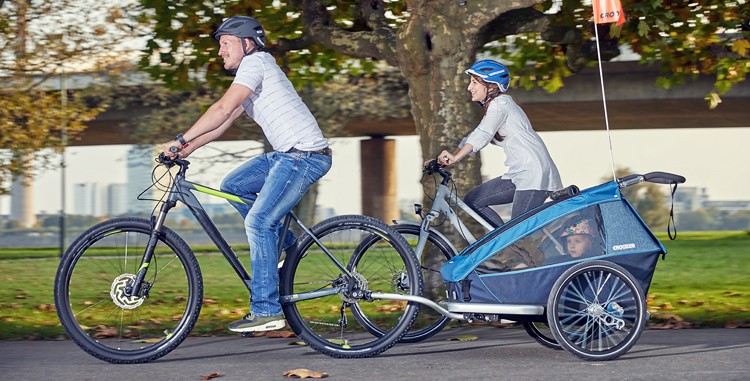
(578, 244)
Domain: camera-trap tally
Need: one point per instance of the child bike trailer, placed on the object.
(588, 258)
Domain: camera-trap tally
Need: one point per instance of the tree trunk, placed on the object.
(433, 59)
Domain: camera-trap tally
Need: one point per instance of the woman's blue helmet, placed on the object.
(491, 71)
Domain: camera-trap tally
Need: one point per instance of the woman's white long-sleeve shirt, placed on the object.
(530, 165)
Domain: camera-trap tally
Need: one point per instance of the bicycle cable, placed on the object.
(454, 192)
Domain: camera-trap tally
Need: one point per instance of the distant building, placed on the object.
(689, 199)
(728, 206)
(140, 164)
(114, 199)
(86, 199)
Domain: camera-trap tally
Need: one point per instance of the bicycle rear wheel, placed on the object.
(92, 305)
(322, 303)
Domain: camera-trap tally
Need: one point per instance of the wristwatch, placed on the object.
(182, 141)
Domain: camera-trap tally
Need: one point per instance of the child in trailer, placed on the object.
(581, 241)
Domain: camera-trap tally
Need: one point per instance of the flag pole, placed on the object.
(604, 102)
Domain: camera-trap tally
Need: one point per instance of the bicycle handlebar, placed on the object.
(169, 163)
(434, 167)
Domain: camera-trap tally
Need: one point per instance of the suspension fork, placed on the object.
(156, 224)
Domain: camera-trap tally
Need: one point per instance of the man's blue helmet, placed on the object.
(491, 71)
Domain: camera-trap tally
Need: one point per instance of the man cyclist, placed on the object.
(279, 178)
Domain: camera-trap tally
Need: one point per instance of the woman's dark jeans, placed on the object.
(499, 191)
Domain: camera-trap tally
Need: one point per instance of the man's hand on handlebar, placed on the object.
(172, 149)
(175, 150)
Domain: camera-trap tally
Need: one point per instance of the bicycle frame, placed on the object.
(181, 190)
(441, 206)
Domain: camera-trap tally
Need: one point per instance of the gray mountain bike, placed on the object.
(129, 290)
(433, 249)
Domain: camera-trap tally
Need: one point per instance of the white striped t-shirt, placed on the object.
(276, 107)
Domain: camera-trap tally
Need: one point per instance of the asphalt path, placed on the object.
(497, 353)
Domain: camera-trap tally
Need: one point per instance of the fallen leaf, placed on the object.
(211, 375)
(104, 332)
(280, 334)
(298, 343)
(463, 338)
(669, 321)
(46, 307)
(304, 373)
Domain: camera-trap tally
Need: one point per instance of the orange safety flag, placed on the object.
(607, 11)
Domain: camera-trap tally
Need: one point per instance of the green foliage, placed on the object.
(689, 38)
(181, 53)
(25, 130)
(33, 116)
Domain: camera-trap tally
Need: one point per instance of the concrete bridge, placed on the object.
(634, 102)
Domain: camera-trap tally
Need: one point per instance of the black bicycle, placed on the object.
(129, 290)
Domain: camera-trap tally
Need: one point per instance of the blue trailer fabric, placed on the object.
(520, 261)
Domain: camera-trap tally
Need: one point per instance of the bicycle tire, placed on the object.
(436, 252)
(327, 323)
(596, 310)
(542, 334)
(106, 323)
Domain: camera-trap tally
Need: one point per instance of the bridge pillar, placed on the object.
(22, 196)
(379, 184)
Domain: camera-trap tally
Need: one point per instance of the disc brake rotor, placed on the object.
(117, 292)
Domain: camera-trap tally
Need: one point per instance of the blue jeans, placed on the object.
(500, 191)
(279, 180)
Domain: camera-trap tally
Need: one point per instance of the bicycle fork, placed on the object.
(139, 288)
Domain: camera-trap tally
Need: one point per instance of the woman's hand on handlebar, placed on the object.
(446, 158)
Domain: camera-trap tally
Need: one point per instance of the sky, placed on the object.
(715, 159)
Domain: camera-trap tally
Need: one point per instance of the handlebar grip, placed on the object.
(174, 149)
(564, 193)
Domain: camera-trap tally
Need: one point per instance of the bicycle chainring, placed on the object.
(355, 292)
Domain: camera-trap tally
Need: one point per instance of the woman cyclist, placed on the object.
(531, 175)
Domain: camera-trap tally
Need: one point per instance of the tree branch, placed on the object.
(371, 13)
(577, 51)
(483, 12)
(377, 43)
(514, 22)
(284, 45)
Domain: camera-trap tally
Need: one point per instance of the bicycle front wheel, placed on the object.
(97, 313)
(323, 303)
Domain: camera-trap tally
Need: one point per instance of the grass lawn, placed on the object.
(703, 281)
